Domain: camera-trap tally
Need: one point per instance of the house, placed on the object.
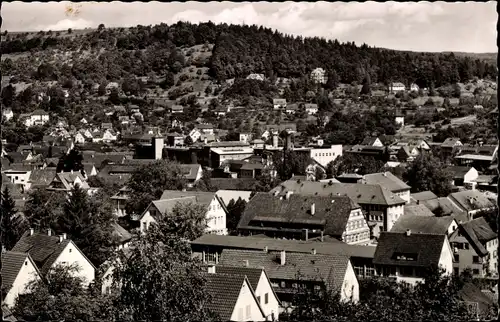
(303, 217)
(177, 109)
(41, 177)
(406, 256)
(7, 114)
(122, 237)
(450, 146)
(120, 200)
(291, 271)
(291, 108)
(245, 137)
(322, 155)
(18, 173)
(195, 134)
(391, 182)
(372, 141)
(422, 196)
(463, 176)
(259, 77)
(382, 208)
(407, 153)
(425, 225)
(397, 87)
(219, 155)
(48, 251)
(311, 109)
(109, 135)
(318, 76)
(475, 246)
(279, 103)
(233, 298)
(216, 211)
(79, 138)
(110, 86)
(417, 210)
(84, 121)
(175, 139)
(414, 87)
(192, 173)
(37, 117)
(399, 118)
(65, 181)
(445, 207)
(18, 270)
(205, 128)
(261, 284)
(89, 169)
(106, 126)
(471, 201)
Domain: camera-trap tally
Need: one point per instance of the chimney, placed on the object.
(211, 269)
(49, 232)
(266, 249)
(283, 257)
(313, 209)
(313, 251)
(306, 234)
(61, 238)
(64, 235)
(288, 194)
(408, 232)
(32, 231)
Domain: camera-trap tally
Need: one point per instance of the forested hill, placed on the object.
(241, 50)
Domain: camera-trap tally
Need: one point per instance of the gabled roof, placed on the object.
(417, 210)
(253, 274)
(42, 176)
(67, 179)
(423, 195)
(450, 142)
(470, 200)
(360, 193)
(225, 290)
(204, 126)
(424, 248)
(330, 212)
(39, 112)
(234, 183)
(190, 171)
(204, 198)
(458, 171)
(167, 205)
(121, 233)
(311, 267)
(387, 180)
(12, 263)
(479, 229)
(447, 207)
(44, 249)
(422, 225)
(369, 141)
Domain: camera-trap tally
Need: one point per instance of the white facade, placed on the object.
(357, 230)
(71, 255)
(216, 218)
(405, 195)
(470, 176)
(393, 214)
(246, 307)
(18, 177)
(268, 300)
(107, 136)
(325, 155)
(79, 138)
(36, 119)
(350, 286)
(492, 248)
(244, 137)
(195, 135)
(7, 114)
(414, 88)
(27, 273)
(397, 87)
(400, 120)
(318, 75)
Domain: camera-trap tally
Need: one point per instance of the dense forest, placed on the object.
(241, 50)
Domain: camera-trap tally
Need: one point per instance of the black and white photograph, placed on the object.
(249, 161)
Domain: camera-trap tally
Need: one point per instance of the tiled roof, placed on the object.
(369, 141)
(121, 233)
(471, 200)
(167, 205)
(458, 171)
(424, 225)
(329, 246)
(312, 267)
(478, 228)
(253, 274)
(425, 247)
(448, 207)
(387, 180)
(190, 171)
(19, 167)
(450, 142)
(204, 198)
(11, 265)
(42, 176)
(225, 291)
(330, 212)
(44, 249)
(233, 183)
(424, 195)
(358, 192)
(472, 293)
(417, 210)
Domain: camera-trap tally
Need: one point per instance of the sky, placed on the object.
(415, 26)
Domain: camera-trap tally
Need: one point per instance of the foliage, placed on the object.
(62, 297)
(160, 281)
(353, 163)
(235, 211)
(288, 163)
(71, 162)
(427, 173)
(149, 181)
(43, 208)
(11, 226)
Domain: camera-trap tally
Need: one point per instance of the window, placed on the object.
(249, 311)
(240, 314)
(70, 250)
(145, 225)
(476, 260)
(466, 245)
(266, 298)
(457, 257)
(283, 284)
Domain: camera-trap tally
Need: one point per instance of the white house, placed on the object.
(260, 77)
(18, 270)
(195, 134)
(7, 114)
(390, 182)
(405, 256)
(215, 215)
(397, 87)
(18, 173)
(471, 201)
(79, 138)
(318, 76)
(414, 87)
(38, 117)
(279, 103)
(245, 137)
(109, 136)
(239, 303)
(52, 250)
(311, 109)
(83, 121)
(326, 155)
(261, 285)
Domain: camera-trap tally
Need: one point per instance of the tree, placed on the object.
(71, 162)
(43, 208)
(366, 90)
(149, 181)
(235, 211)
(290, 162)
(427, 173)
(62, 297)
(11, 226)
(101, 27)
(188, 141)
(160, 281)
(353, 163)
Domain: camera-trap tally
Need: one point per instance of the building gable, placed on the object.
(246, 306)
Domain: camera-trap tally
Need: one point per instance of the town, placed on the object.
(166, 180)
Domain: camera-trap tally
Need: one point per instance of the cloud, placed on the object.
(421, 26)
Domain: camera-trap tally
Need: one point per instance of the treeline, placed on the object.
(241, 50)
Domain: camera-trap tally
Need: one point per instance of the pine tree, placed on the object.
(10, 225)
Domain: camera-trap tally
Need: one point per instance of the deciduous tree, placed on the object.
(427, 173)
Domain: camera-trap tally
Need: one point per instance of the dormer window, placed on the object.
(405, 256)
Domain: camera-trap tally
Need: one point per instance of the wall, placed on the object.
(146, 221)
(350, 286)
(393, 213)
(264, 287)
(465, 256)
(22, 177)
(356, 225)
(71, 255)
(246, 299)
(472, 174)
(446, 259)
(216, 217)
(405, 195)
(492, 247)
(326, 155)
(400, 120)
(26, 274)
